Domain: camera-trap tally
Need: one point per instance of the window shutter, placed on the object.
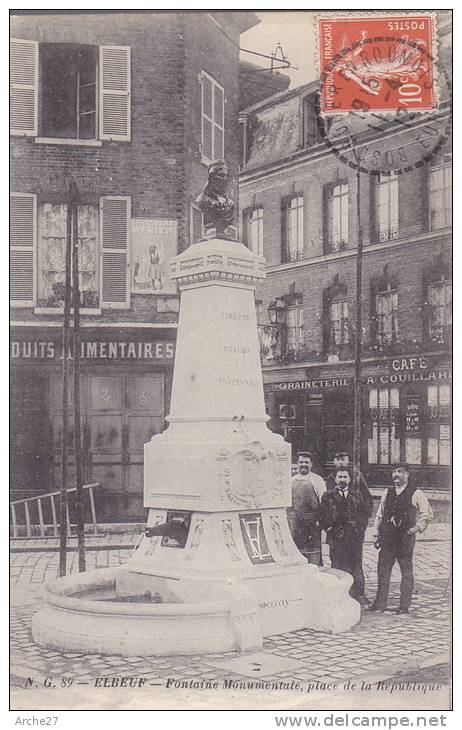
(284, 242)
(115, 219)
(207, 116)
(196, 227)
(23, 87)
(218, 117)
(114, 97)
(23, 239)
(213, 116)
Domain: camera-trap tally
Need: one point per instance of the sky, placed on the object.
(294, 30)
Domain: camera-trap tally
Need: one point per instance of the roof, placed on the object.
(281, 97)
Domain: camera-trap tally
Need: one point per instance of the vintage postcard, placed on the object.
(230, 361)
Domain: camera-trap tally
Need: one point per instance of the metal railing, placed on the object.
(28, 503)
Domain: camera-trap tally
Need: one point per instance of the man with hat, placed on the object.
(402, 513)
(342, 515)
(307, 491)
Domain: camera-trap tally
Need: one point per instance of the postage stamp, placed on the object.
(377, 63)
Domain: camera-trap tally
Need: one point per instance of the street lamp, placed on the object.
(277, 311)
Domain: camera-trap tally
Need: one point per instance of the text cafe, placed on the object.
(406, 415)
(125, 389)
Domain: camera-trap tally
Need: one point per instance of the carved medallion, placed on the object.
(253, 478)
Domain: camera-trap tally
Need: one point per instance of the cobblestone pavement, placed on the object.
(380, 645)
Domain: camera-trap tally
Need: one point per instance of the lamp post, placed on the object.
(277, 311)
(357, 422)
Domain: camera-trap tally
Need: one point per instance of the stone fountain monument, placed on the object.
(217, 554)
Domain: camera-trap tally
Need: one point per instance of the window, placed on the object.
(440, 310)
(68, 79)
(386, 308)
(338, 217)
(383, 445)
(295, 326)
(439, 426)
(254, 230)
(310, 126)
(37, 273)
(386, 193)
(441, 196)
(338, 322)
(213, 119)
(82, 91)
(293, 228)
(52, 255)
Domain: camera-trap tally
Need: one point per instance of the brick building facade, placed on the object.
(132, 107)
(298, 205)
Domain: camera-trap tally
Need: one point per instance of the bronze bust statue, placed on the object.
(216, 206)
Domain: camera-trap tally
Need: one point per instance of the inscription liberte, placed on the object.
(236, 316)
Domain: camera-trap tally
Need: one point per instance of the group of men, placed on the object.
(342, 506)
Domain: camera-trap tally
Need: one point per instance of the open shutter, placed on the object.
(115, 218)
(213, 116)
(196, 225)
(23, 246)
(23, 87)
(207, 118)
(114, 96)
(219, 121)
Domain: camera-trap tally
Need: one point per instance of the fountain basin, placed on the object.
(87, 613)
(73, 619)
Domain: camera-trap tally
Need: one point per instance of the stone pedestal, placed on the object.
(219, 469)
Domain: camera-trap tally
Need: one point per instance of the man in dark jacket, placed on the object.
(341, 458)
(342, 514)
(403, 511)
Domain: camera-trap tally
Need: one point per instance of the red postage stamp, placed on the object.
(377, 63)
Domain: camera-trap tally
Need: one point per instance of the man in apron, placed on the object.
(307, 491)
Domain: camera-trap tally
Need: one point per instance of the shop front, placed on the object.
(125, 390)
(406, 415)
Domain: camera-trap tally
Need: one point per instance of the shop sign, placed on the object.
(412, 415)
(395, 378)
(409, 364)
(444, 433)
(319, 383)
(432, 376)
(113, 350)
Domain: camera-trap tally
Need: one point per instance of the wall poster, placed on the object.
(154, 242)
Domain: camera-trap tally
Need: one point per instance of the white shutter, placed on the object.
(114, 93)
(23, 87)
(115, 221)
(23, 247)
(213, 115)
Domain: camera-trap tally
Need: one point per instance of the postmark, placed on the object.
(377, 63)
(356, 135)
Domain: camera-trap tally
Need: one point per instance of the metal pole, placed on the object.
(76, 351)
(357, 427)
(63, 506)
